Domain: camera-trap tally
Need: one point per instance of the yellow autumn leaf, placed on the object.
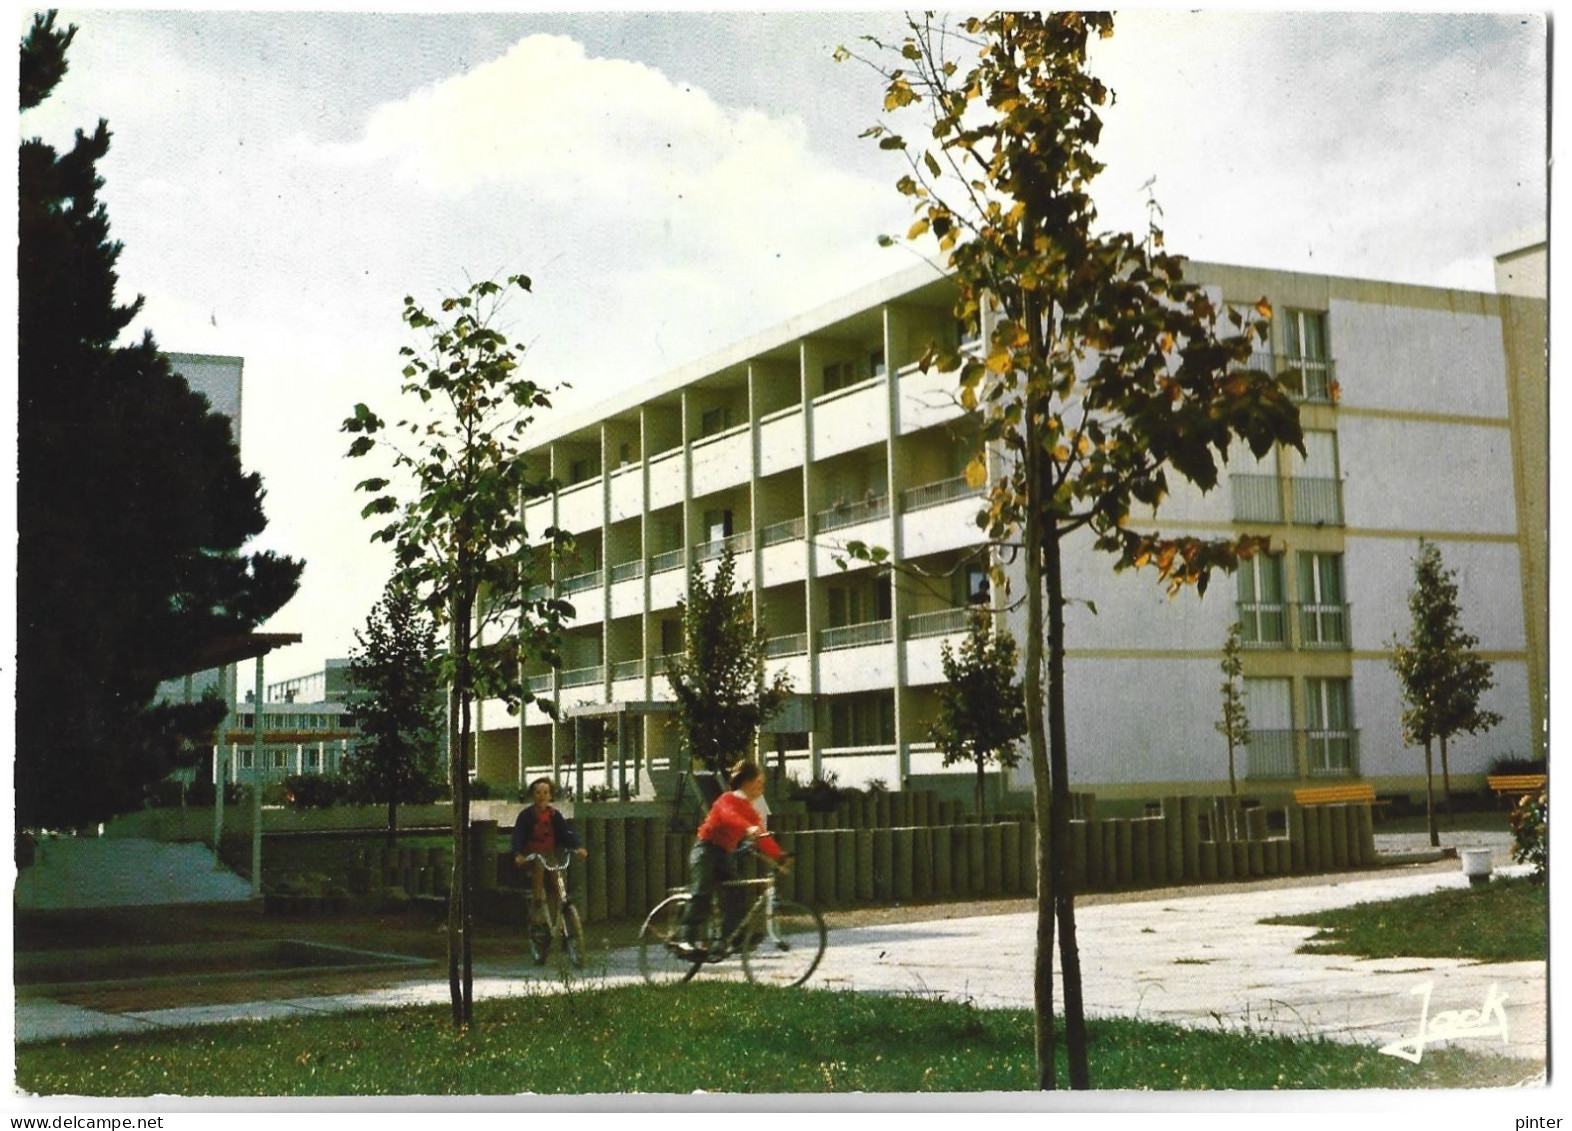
(976, 472)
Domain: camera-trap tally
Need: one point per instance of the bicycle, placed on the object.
(561, 921)
(781, 941)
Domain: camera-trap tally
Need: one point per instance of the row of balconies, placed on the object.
(1294, 624)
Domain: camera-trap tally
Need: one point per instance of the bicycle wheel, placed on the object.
(572, 935)
(783, 947)
(537, 932)
(662, 931)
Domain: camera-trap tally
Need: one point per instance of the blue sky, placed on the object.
(676, 181)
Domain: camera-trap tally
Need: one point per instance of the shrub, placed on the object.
(200, 792)
(598, 793)
(1514, 765)
(479, 790)
(314, 791)
(1531, 832)
(820, 795)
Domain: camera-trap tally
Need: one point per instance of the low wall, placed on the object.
(634, 861)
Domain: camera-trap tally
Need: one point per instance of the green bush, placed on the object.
(1531, 832)
(200, 792)
(1515, 765)
(480, 790)
(820, 795)
(314, 791)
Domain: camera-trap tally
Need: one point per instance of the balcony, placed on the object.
(855, 635)
(936, 494)
(1309, 380)
(627, 669)
(580, 582)
(791, 644)
(1264, 624)
(1323, 626)
(737, 543)
(1257, 498)
(776, 533)
(627, 571)
(1318, 502)
(671, 559)
(584, 677)
(845, 514)
(536, 684)
(1271, 754)
(944, 622)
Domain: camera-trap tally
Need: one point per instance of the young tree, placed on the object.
(982, 714)
(132, 507)
(1234, 723)
(398, 705)
(1102, 371)
(718, 679)
(1443, 678)
(459, 537)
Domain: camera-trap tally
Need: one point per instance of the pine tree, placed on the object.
(718, 680)
(396, 698)
(982, 713)
(132, 507)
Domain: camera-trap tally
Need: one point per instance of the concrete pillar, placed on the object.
(976, 860)
(1206, 854)
(1295, 822)
(1140, 871)
(483, 853)
(993, 859)
(1339, 816)
(901, 863)
(1124, 842)
(807, 867)
(593, 830)
(922, 862)
(845, 866)
(1364, 836)
(1241, 854)
(1080, 853)
(1010, 857)
(883, 872)
(1257, 860)
(825, 867)
(1323, 816)
(1190, 819)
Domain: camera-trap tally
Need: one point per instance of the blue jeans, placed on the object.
(709, 866)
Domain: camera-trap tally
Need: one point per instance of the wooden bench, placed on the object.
(1355, 792)
(1515, 785)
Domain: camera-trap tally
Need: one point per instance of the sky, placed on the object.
(673, 182)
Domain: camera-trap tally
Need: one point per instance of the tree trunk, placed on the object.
(980, 789)
(392, 822)
(1430, 797)
(1042, 805)
(1059, 765)
(1233, 786)
(459, 879)
(1446, 783)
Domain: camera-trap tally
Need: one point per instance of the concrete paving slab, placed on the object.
(39, 1019)
(78, 872)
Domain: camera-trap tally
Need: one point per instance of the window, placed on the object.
(862, 720)
(1269, 708)
(1254, 483)
(580, 469)
(670, 637)
(1329, 739)
(838, 375)
(1261, 612)
(717, 525)
(624, 454)
(1307, 361)
(1323, 616)
(713, 421)
(876, 363)
(1318, 499)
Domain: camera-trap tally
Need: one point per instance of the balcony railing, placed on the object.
(1257, 498)
(936, 494)
(584, 677)
(580, 582)
(1331, 753)
(791, 530)
(850, 514)
(539, 683)
(1318, 502)
(739, 543)
(627, 571)
(1323, 626)
(791, 644)
(1270, 754)
(671, 559)
(1264, 624)
(627, 669)
(1306, 379)
(658, 663)
(944, 622)
(854, 635)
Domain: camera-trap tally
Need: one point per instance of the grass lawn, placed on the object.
(719, 1038)
(1504, 921)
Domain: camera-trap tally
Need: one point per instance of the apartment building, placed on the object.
(1424, 417)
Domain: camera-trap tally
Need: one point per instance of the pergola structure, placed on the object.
(621, 711)
(226, 653)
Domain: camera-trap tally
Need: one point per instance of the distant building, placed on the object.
(1424, 417)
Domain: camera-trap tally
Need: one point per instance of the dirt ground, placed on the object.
(111, 934)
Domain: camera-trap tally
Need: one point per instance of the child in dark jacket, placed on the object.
(541, 828)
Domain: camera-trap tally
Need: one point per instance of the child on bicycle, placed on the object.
(731, 820)
(541, 828)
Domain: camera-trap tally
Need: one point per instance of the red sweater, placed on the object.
(728, 822)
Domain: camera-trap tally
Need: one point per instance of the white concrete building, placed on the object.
(1425, 417)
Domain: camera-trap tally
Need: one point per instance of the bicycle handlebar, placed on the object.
(563, 860)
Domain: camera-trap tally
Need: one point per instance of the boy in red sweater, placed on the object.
(731, 820)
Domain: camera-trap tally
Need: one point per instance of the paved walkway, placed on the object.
(72, 872)
(1201, 960)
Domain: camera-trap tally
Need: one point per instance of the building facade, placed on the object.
(1424, 417)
